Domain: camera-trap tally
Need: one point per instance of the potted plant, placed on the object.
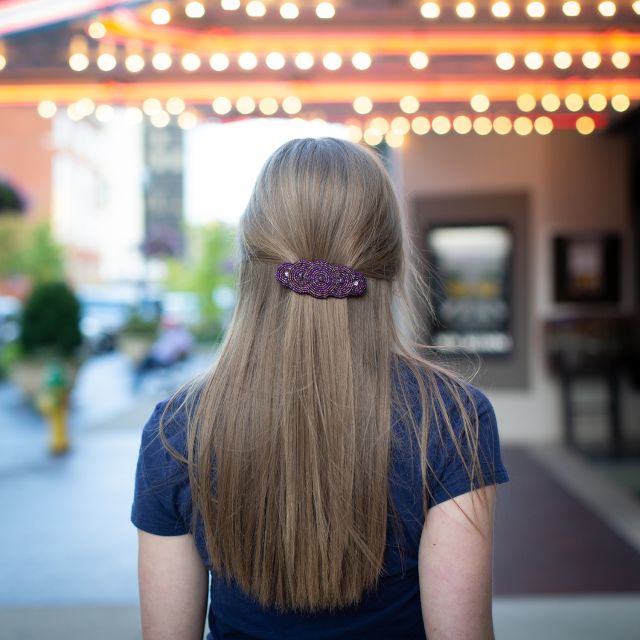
(49, 333)
(137, 336)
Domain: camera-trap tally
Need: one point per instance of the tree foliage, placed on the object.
(50, 320)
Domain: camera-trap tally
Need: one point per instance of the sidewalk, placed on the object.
(68, 550)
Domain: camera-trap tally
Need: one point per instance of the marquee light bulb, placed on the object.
(291, 105)
(401, 125)
(480, 103)
(597, 102)
(430, 10)
(160, 119)
(373, 136)
(419, 60)
(571, 8)
(221, 105)
(543, 125)
(380, 124)
(361, 60)
(550, 102)
(332, 61)
(78, 61)
(465, 10)
(175, 106)
(409, 104)
(325, 11)
(591, 59)
(533, 60)
(190, 62)
(362, 105)
(219, 62)
(441, 125)
(620, 59)
(275, 61)
(97, 30)
(134, 63)
(256, 9)
(502, 125)
(268, 106)
(194, 10)
(607, 8)
(247, 61)
(562, 59)
(289, 11)
(160, 16)
(505, 61)
(462, 125)
(482, 125)
(620, 102)
(574, 102)
(536, 9)
(501, 9)
(394, 139)
(304, 61)
(522, 125)
(106, 62)
(585, 125)
(47, 109)
(526, 102)
(230, 5)
(420, 125)
(161, 61)
(245, 105)
(354, 133)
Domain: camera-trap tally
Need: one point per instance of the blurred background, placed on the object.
(130, 136)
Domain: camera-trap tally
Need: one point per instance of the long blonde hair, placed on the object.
(289, 443)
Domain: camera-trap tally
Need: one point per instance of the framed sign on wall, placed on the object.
(476, 256)
(472, 287)
(587, 268)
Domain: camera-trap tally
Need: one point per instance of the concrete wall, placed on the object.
(574, 183)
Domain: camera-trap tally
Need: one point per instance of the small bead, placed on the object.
(355, 284)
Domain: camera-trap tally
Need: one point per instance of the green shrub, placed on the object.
(50, 320)
(138, 325)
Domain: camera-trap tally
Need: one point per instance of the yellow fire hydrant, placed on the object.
(53, 402)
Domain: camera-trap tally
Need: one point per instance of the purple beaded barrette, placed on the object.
(321, 279)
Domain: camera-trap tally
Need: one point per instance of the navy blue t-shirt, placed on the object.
(162, 506)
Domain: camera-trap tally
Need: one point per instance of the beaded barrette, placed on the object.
(321, 279)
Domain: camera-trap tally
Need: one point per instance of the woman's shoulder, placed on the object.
(167, 425)
(445, 391)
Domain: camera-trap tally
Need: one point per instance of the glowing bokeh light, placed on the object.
(219, 61)
(362, 105)
(505, 61)
(420, 125)
(419, 60)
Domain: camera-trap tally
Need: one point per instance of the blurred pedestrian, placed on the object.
(173, 345)
(329, 477)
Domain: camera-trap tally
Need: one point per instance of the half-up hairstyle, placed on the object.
(289, 441)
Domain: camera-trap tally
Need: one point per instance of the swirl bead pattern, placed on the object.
(321, 279)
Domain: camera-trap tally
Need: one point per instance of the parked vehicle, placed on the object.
(10, 308)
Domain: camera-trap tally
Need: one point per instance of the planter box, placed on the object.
(135, 346)
(29, 373)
